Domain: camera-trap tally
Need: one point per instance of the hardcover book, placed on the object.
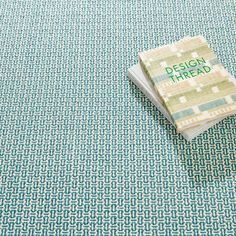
(190, 82)
(136, 75)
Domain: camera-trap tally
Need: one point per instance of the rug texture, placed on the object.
(82, 150)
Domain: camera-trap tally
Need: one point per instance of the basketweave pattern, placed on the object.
(82, 151)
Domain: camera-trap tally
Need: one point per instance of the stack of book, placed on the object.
(187, 83)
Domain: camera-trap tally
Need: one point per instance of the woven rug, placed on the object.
(82, 150)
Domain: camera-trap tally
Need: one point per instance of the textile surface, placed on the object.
(82, 150)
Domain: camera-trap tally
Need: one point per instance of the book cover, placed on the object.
(136, 75)
(192, 84)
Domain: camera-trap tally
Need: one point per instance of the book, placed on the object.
(137, 76)
(191, 83)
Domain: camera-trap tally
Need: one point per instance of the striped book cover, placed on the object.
(136, 75)
(193, 85)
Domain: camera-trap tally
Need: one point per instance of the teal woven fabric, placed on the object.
(82, 150)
